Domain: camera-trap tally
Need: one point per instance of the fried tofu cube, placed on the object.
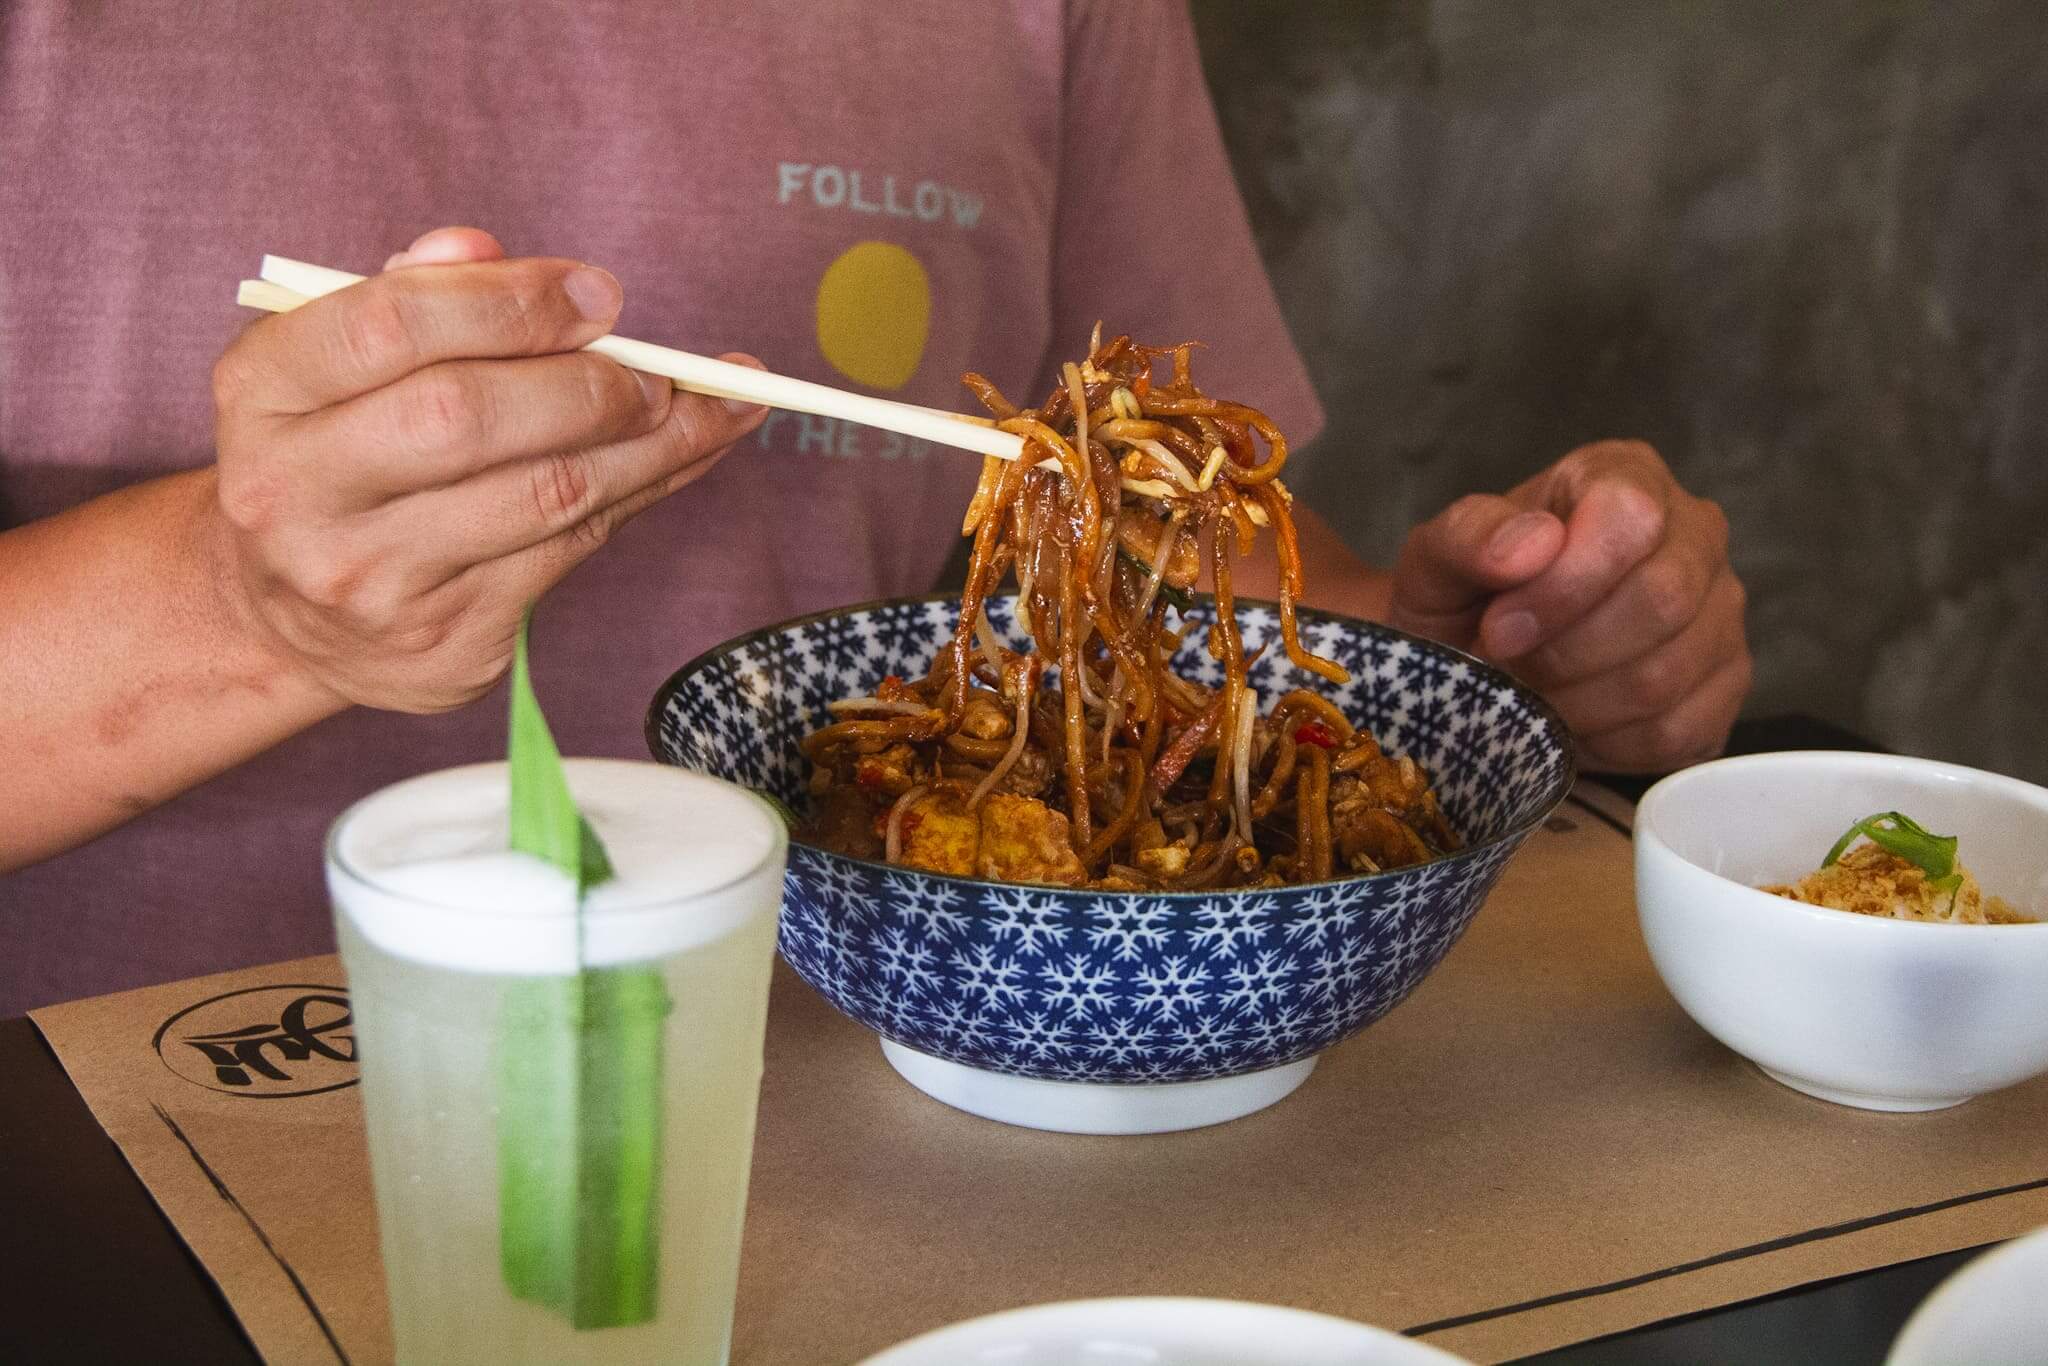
(1164, 861)
(940, 834)
(1376, 835)
(1024, 840)
(889, 772)
(985, 718)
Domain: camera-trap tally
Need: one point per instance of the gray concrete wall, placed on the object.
(1803, 248)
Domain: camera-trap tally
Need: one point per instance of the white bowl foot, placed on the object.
(1859, 1099)
(1084, 1107)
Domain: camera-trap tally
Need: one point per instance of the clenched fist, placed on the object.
(1606, 586)
(407, 464)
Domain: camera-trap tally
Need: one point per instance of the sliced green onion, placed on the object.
(1934, 855)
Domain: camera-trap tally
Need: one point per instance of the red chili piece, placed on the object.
(1315, 733)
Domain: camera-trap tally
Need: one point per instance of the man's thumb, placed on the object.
(1453, 564)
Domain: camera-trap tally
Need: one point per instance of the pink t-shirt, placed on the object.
(877, 196)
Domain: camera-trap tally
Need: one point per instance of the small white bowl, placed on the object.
(1864, 1011)
(1990, 1313)
(1161, 1332)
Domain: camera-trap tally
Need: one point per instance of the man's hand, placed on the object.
(1606, 586)
(406, 465)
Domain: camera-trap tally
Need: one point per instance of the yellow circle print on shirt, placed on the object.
(874, 309)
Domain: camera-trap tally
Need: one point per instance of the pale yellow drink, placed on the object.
(509, 1045)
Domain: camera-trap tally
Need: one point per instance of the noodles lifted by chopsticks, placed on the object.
(1086, 759)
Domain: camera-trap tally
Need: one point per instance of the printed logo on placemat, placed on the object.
(264, 1042)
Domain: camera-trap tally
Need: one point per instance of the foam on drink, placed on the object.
(439, 841)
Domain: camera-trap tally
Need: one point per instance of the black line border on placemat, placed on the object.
(221, 1187)
(1813, 1235)
(1617, 825)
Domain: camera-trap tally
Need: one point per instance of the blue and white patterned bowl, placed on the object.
(1114, 1011)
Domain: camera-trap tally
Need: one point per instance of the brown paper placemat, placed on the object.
(1537, 1148)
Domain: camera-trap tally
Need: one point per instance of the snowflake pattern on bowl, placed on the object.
(1075, 985)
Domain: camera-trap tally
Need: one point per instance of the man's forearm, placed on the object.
(128, 673)
(1333, 578)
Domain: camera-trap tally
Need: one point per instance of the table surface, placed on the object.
(95, 1272)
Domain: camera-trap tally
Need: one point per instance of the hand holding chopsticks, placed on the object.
(403, 469)
(286, 284)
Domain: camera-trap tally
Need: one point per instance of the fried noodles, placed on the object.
(1086, 760)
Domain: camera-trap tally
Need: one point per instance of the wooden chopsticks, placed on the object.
(286, 284)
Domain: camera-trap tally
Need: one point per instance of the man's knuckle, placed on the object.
(687, 438)
(1464, 521)
(521, 307)
(1670, 594)
(1720, 531)
(1741, 675)
(589, 535)
(1677, 732)
(251, 497)
(233, 378)
(1657, 677)
(379, 610)
(1471, 507)
(418, 636)
(443, 411)
(374, 333)
(561, 487)
(609, 396)
(1626, 453)
(1546, 663)
(1717, 524)
(326, 579)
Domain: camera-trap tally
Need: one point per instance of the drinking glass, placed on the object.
(560, 1099)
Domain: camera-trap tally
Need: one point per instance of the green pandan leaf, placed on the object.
(580, 1118)
(579, 1080)
(545, 822)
